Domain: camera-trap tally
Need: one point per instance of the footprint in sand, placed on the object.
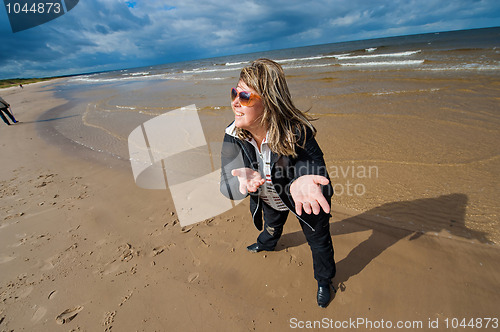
(5, 259)
(68, 315)
(39, 313)
(109, 318)
(158, 250)
(27, 291)
(111, 267)
(52, 295)
(127, 252)
(193, 276)
(48, 265)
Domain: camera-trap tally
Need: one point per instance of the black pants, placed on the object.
(6, 111)
(320, 241)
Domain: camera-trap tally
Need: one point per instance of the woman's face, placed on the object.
(247, 117)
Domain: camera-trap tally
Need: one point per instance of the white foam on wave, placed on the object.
(91, 79)
(403, 91)
(357, 64)
(369, 56)
(210, 78)
(207, 70)
(319, 57)
(235, 63)
(383, 63)
(134, 74)
(238, 65)
(308, 66)
(349, 56)
(469, 66)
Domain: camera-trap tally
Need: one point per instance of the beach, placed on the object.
(412, 152)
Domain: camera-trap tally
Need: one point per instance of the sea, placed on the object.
(153, 90)
(465, 50)
(423, 109)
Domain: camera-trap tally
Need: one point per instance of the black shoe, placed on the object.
(256, 248)
(323, 296)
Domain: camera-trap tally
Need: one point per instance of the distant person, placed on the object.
(270, 153)
(21, 86)
(4, 108)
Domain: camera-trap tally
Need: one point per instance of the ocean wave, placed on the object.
(134, 74)
(403, 91)
(235, 63)
(207, 70)
(319, 57)
(369, 56)
(210, 78)
(356, 64)
(349, 56)
(465, 49)
(309, 66)
(92, 79)
(383, 63)
(470, 66)
(238, 65)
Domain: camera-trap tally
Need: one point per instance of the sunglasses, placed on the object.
(245, 97)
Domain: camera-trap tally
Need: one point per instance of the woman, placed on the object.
(270, 153)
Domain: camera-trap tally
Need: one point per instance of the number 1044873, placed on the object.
(35, 8)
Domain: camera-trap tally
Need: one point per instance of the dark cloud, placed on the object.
(101, 29)
(111, 34)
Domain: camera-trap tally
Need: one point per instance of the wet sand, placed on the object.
(82, 248)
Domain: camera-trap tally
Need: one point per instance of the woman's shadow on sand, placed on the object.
(392, 222)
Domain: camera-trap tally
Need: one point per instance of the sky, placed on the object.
(101, 35)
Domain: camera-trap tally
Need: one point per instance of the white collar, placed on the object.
(231, 130)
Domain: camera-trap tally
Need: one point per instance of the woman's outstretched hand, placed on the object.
(250, 180)
(306, 193)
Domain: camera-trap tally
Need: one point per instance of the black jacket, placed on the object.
(238, 153)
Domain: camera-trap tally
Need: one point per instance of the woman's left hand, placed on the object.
(306, 193)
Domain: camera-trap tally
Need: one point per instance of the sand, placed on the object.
(82, 248)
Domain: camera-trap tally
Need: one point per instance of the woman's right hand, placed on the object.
(249, 179)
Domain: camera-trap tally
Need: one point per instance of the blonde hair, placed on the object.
(282, 119)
